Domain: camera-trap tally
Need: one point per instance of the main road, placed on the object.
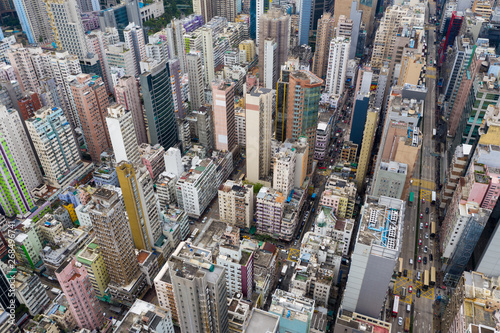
(416, 216)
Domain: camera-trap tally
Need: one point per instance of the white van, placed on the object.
(408, 308)
(411, 261)
(419, 275)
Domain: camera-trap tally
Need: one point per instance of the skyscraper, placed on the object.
(157, 94)
(134, 40)
(259, 104)
(91, 100)
(141, 205)
(176, 45)
(226, 8)
(67, 28)
(33, 17)
(195, 73)
(124, 141)
(83, 303)
(200, 293)
(372, 118)
(54, 144)
(113, 235)
(20, 60)
(127, 94)
(276, 25)
(326, 30)
(19, 171)
(204, 8)
(305, 12)
(302, 108)
(337, 65)
(207, 44)
(270, 71)
(223, 111)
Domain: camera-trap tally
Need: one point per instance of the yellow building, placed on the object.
(71, 210)
(366, 146)
(92, 259)
(249, 47)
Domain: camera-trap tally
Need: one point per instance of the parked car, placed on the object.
(421, 215)
(431, 257)
(425, 260)
(410, 289)
(419, 259)
(427, 210)
(419, 242)
(425, 249)
(400, 321)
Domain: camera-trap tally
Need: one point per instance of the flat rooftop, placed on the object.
(262, 321)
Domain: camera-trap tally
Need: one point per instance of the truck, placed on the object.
(407, 324)
(283, 270)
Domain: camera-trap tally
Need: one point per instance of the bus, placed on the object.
(433, 275)
(403, 292)
(426, 279)
(194, 233)
(400, 266)
(395, 306)
(433, 198)
(433, 229)
(407, 324)
(410, 200)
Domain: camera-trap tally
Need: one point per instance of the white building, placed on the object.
(337, 65)
(30, 292)
(259, 105)
(134, 40)
(119, 55)
(378, 244)
(123, 138)
(173, 161)
(54, 144)
(208, 54)
(195, 188)
(238, 263)
(194, 61)
(269, 72)
(146, 317)
(284, 171)
(240, 117)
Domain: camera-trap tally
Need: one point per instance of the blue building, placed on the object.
(157, 92)
(359, 119)
(304, 22)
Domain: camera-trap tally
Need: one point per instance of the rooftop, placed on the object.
(261, 321)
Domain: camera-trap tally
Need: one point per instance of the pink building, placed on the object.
(91, 99)
(83, 302)
(491, 197)
(96, 46)
(90, 21)
(224, 119)
(127, 94)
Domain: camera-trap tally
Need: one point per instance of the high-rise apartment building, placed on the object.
(19, 162)
(269, 70)
(204, 8)
(29, 104)
(226, 8)
(123, 140)
(27, 244)
(54, 144)
(83, 303)
(91, 101)
(127, 94)
(141, 205)
(238, 264)
(20, 59)
(325, 33)
(113, 235)
(223, 112)
(200, 293)
(91, 258)
(207, 45)
(284, 171)
(134, 40)
(165, 292)
(157, 94)
(259, 105)
(276, 25)
(337, 65)
(194, 65)
(33, 18)
(302, 108)
(67, 28)
(176, 43)
(372, 118)
(236, 204)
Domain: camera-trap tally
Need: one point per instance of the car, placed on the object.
(427, 210)
(204, 220)
(425, 260)
(295, 243)
(411, 261)
(427, 224)
(405, 273)
(281, 246)
(421, 226)
(418, 293)
(426, 235)
(431, 257)
(419, 242)
(419, 259)
(421, 215)
(400, 321)
(423, 200)
(410, 289)
(425, 249)
(280, 280)
(191, 222)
